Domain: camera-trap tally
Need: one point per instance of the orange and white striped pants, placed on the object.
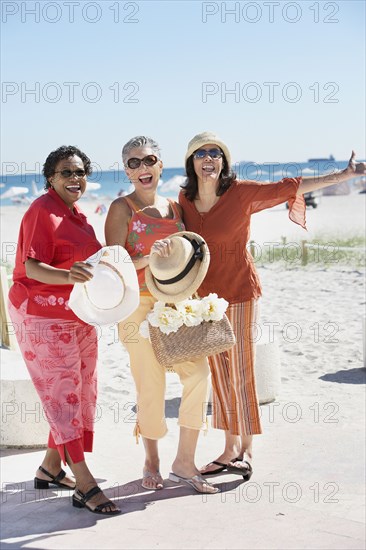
(234, 398)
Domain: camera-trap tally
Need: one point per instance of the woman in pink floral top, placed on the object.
(142, 222)
(60, 351)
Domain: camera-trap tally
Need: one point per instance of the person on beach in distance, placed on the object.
(60, 351)
(218, 206)
(140, 222)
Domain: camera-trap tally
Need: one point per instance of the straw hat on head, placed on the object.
(203, 139)
(176, 277)
(113, 292)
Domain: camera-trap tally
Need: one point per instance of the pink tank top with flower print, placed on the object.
(144, 230)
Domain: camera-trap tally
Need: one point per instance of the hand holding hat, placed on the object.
(177, 276)
(80, 272)
(112, 292)
(161, 247)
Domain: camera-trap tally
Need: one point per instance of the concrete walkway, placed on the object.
(307, 490)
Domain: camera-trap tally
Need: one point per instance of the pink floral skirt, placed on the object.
(61, 357)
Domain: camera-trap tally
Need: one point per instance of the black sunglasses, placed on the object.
(213, 153)
(149, 160)
(69, 173)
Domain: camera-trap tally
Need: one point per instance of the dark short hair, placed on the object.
(63, 152)
(190, 187)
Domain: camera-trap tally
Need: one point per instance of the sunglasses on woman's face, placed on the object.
(149, 160)
(69, 173)
(203, 153)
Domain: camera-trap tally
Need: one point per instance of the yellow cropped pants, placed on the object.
(150, 380)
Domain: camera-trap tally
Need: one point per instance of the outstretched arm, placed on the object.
(312, 183)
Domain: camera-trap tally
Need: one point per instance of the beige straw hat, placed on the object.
(176, 277)
(204, 139)
(113, 292)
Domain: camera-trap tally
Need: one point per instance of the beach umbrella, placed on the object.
(309, 171)
(173, 184)
(92, 186)
(14, 192)
(35, 191)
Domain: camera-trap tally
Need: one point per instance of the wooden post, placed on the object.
(304, 253)
(7, 338)
(252, 248)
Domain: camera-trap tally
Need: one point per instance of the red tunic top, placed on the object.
(226, 229)
(51, 233)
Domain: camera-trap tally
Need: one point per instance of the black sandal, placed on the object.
(222, 468)
(246, 473)
(55, 480)
(84, 497)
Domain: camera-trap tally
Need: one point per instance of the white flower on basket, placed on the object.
(191, 312)
(166, 318)
(144, 329)
(213, 307)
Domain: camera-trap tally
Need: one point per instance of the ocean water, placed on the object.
(113, 183)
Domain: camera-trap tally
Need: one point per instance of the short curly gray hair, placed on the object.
(139, 141)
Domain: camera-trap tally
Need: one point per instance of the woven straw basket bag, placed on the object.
(187, 343)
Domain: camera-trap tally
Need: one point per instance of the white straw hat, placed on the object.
(176, 277)
(113, 292)
(204, 139)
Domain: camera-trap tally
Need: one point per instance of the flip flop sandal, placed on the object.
(55, 480)
(82, 499)
(193, 482)
(217, 470)
(149, 475)
(246, 473)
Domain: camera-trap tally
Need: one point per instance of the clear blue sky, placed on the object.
(102, 72)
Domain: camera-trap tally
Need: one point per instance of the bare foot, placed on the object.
(152, 480)
(199, 483)
(188, 474)
(243, 465)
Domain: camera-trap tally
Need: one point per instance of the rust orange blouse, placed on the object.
(226, 229)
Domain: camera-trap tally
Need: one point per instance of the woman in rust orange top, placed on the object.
(219, 207)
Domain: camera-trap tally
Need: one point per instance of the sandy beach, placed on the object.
(307, 490)
(335, 216)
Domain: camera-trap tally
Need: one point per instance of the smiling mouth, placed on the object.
(73, 188)
(209, 168)
(145, 179)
